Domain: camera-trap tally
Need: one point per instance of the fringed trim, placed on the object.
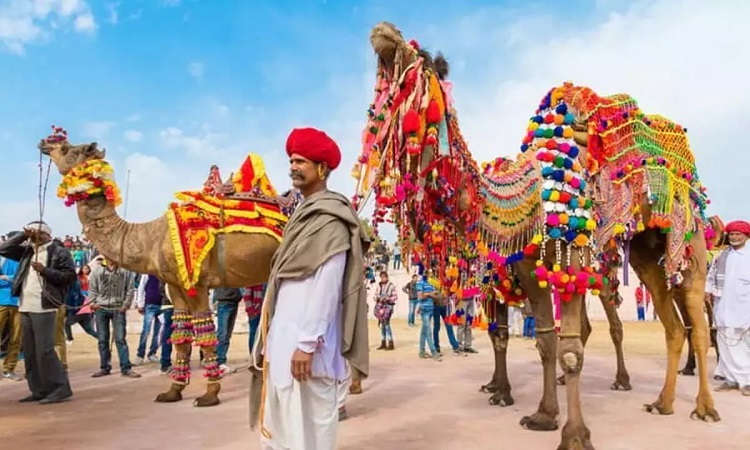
(182, 327)
(211, 368)
(181, 370)
(204, 330)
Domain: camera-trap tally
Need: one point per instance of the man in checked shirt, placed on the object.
(253, 299)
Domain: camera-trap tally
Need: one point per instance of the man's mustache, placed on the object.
(294, 174)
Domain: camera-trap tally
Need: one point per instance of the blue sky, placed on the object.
(169, 87)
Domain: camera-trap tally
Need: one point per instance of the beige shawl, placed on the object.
(324, 225)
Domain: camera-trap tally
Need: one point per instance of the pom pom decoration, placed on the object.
(94, 177)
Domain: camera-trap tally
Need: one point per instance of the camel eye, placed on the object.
(64, 150)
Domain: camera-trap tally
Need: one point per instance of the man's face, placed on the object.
(40, 238)
(737, 239)
(414, 278)
(303, 172)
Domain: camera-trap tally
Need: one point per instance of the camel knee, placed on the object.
(571, 361)
(499, 339)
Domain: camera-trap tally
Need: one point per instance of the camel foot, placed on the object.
(575, 437)
(621, 384)
(355, 388)
(539, 422)
(501, 399)
(489, 388)
(687, 372)
(705, 414)
(210, 398)
(174, 394)
(657, 408)
(560, 380)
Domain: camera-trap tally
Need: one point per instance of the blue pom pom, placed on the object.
(538, 119)
(568, 163)
(573, 152)
(493, 326)
(569, 118)
(524, 147)
(583, 185)
(573, 203)
(570, 235)
(538, 132)
(558, 131)
(573, 221)
(562, 108)
(547, 171)
(558, 175)
(555, 233)
(485, 280)
(495, 278)
(489, 266)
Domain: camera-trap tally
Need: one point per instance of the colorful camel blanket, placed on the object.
(196, 218)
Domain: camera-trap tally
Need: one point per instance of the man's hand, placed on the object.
(36, 265)
(301, 365)
(4, 278)
(141, 310)
(95, 307)
(124, 309)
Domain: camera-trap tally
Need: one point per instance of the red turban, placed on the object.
(314, 145)
(738, 226)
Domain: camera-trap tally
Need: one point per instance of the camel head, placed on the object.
(391, 48)
(65, 155)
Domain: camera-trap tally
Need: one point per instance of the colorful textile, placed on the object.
(253, 297)
(198, 218)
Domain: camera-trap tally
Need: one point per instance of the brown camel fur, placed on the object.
(646, 249)
(146, 248)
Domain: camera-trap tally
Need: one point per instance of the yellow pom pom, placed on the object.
(543, 284)
(537, 239)
(539, 263)
(554, 196)
(591, 224)
(556, 268)
(595, 292)
(568, 132)
(640, 226)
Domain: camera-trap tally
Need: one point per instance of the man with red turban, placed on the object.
(728, 283)
(314, 318)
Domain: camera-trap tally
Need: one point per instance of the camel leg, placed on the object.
(689, 368)
(585, 334)
(492, 386)
(691, 294)
(575, 433)
(622, 377)
(500, 380)
(644, 261)
(205, 338)
(182, 337)
(545, 418)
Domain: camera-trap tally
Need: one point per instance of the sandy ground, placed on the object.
(408, 404)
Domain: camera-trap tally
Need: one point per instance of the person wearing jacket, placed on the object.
(10, 318)
(78, 310)
(111, 292)
(45, 273)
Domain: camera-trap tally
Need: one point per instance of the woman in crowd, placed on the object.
(385, 300)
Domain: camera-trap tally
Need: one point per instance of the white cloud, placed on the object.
(133, 135)
(85, 23)
(23, 22)
(196, 69)
(205, 142)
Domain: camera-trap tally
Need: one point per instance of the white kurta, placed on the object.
(304, 416)
(732, 316)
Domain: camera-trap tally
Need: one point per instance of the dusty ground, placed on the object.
(408, 404)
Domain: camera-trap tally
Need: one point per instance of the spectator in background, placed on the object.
(78, 309)
(397, 256)
(10, 318)
(642, 297)
(166, 335)
(227, 302)
(253, 296)
(111, 294)
(149, 299)
(410, 289)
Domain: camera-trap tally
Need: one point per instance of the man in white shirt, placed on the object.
(45, 273)
(728, 282)
(315, 311)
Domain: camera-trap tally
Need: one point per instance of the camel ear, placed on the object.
(93, 151)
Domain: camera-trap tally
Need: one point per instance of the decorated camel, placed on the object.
(223, 236)
(592, 170)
